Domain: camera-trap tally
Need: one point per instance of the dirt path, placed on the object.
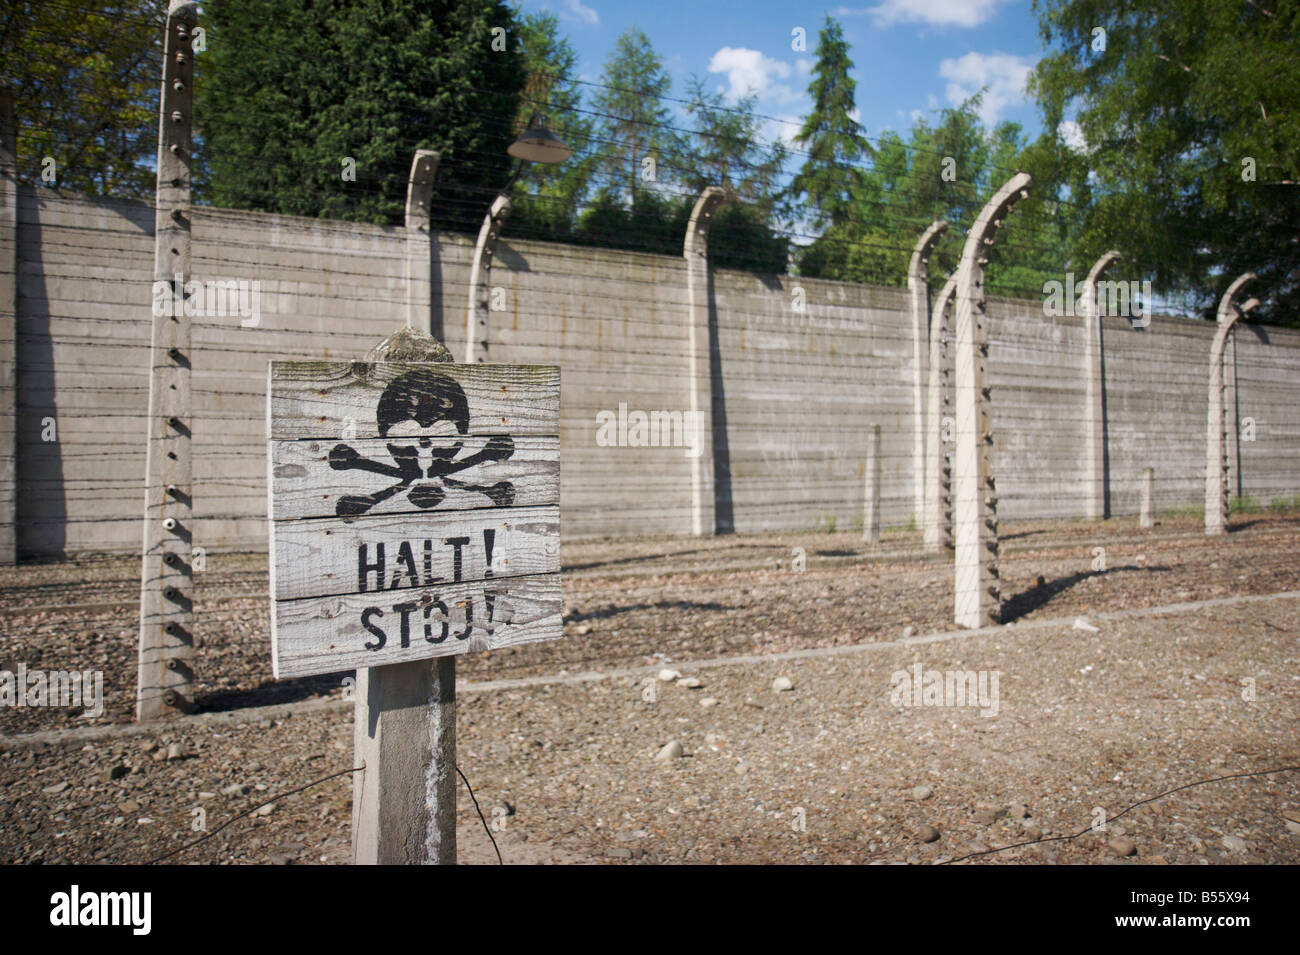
(839, 768)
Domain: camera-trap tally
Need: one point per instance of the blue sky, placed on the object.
(910, 57)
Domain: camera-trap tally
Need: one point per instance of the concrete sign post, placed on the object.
(414, 515)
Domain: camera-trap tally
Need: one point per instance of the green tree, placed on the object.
(85, 85)
(945, 171)
(634, 122)
(549, 197)
(725, 149)
(297, 88)
(832, 137)
(1191, 117)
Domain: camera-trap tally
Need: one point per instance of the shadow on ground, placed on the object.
(1026, 602)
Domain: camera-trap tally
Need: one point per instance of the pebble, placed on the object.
(55, 789)
(149, 746)
(234, 789)
(1123, 847)
(266, 810)
(583, 629)
(669, 676)
(986, 817)
(1235, 844)
(1081, 623)
(112, 773)
(690, 682)
(928, 834)
(709, 702)
(922, 792)
(908, 631)
(1018, 811)
(1033, 833)
(670, 751)
(128, 808)
(176, 751)
(782, 684)
(617, 853)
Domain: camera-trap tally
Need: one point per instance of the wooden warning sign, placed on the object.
(415, 511)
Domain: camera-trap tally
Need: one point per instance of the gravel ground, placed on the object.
(831, 770)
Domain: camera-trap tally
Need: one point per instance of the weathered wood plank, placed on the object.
(415, 511)
(320, 557)
(304, 484)
(343, 400)
(326, 635)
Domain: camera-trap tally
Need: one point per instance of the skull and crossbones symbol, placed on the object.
(415, 408)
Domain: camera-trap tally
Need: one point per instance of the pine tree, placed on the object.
(725, 150)
(634, 126)
(833, 139)
(548, 197)
(297, 89)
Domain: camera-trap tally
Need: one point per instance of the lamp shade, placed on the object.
(539, 144)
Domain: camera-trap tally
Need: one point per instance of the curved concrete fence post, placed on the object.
(938, 405)
(975, 529)
(476, 319)
(1216, 451)
(696, 252)
(165, 675)
(1095, 477)
(918, 293)
(419, 241)
(8, 328)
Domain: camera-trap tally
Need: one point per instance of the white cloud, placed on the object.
(1072, 135)
(1004, 74)
(577, 10)
(750, 71)
(940, 13)
(784, 127)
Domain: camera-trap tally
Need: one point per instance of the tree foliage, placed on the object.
(297, 87)
(1182, 105)
(634, 122)
(549, 197)
(831, 136)
(85, 91)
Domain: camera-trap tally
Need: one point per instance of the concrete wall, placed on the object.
(795, 394)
